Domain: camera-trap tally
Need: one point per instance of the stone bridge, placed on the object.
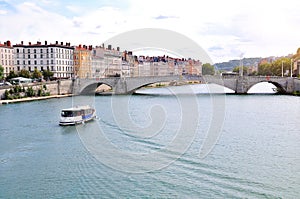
(240, 85)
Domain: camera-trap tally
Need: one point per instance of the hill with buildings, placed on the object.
(228, 66)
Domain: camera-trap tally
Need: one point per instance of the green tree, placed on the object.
(265, 69)
(47, 74)
(281, 63)
(1, 73)
(36, 74)
(208, 69)
(11, 74)
(24, 73)
(237, 70)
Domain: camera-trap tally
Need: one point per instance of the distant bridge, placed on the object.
(240, 85)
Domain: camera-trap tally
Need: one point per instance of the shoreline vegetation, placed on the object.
(30, 99)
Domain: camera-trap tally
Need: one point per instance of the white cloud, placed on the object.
(223, 28)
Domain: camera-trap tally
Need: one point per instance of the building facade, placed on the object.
(57, 58)
(83, 61)
(7, 57)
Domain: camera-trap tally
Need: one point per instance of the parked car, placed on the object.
(5, 84)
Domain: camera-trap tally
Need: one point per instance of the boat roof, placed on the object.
(77, 108)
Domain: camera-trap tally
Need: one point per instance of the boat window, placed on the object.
(67, 114)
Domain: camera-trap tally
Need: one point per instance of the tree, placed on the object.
(47, 74)
(36, 74)
(237, 70)
(24, 73)
(208, 69)
(11, 75)
(1, 73)
(281, 63)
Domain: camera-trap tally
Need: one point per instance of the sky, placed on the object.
(225, 29)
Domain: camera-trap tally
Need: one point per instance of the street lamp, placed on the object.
(282, 68)
(292, 67)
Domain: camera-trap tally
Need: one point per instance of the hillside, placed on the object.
(228, 66)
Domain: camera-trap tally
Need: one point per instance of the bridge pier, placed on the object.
(242, 85)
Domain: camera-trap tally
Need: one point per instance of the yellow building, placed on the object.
(83, 61)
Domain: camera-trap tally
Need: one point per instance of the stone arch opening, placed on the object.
(91, 89)
(146, 84)
(278, 88)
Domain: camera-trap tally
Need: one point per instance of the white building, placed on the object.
(7, 57)
(107, 62)
(57, 58)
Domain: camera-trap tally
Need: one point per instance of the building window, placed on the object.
(28, 56)
(28, 62)
(24, 63)
(51, 50)
(34, 50)
(52, 62)
(18, 68)
(28, 51)
(41, 50)
(35, 62)
(18, 50)
(42, 62)
(34, 56)
(29, 68)
(42, 68)
(18, 62)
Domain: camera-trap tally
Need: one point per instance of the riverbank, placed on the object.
(30, 99)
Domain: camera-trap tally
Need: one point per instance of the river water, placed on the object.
(151, 145)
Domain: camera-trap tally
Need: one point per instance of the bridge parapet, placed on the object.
(239, 84)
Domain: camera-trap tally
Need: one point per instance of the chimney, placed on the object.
(29, 43)
(56, 42)
(79, 45)
(84, 46)
(46, 43)
(102, 45)
(90, 47)
(62, 43)
(8, 43)
(118, 48)
(109, 47)
(22, 42)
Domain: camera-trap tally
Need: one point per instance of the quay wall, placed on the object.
(60, 87)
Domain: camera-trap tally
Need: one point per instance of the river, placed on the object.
(154, 145)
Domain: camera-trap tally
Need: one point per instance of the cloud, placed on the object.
(3, 12)
(164, 17)
(223, 28)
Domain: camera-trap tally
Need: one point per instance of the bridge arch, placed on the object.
(91, 88)
(280, 88)
(132, 90)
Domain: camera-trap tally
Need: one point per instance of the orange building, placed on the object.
(83, 61)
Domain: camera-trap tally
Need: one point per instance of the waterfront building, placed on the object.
(108, 62)
(7, 57)
(113, 61)
(83, 61)
(57, 58)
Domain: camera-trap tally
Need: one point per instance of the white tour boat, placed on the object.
(77, 115)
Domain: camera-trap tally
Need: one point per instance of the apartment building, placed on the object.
(83, 61)
(7, 57)
(57, 58)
